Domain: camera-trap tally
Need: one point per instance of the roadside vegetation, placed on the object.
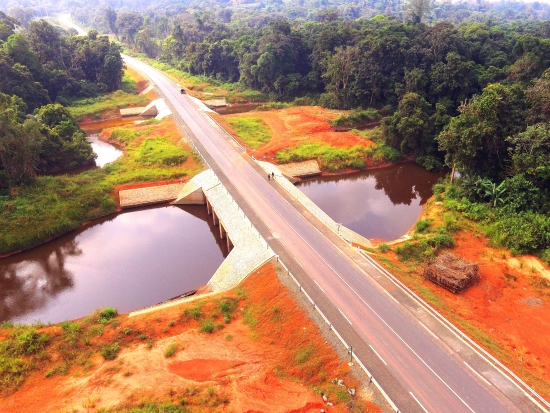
(355, 118)
(253, 131)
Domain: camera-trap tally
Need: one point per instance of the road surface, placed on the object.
(418, 370)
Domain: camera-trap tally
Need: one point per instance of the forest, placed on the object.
(41, 69)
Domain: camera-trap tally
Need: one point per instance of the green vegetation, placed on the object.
(329, 157)
(161, 152)
(356, 117)
(105, 105)
(110, 352)
(207, 326)
(253, 131)
(107, 314)
(54, 205)
(171, 350)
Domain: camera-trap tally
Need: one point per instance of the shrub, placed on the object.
(355, 117)
(384, 248)
(273, 106)
(110, 352)
(207, 326)
(422, 225)
(107, 314)
(171, 350)
(442, 239)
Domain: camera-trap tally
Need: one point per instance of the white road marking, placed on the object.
(281, 242)
(295, 259)
(478, 374)
(347, 319)
(403, 341)
(416, 400)
(391, 296)
(378, 355)
(319, 286)
(428, 330)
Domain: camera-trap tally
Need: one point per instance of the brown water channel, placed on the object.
(382, 203)
(127, 261)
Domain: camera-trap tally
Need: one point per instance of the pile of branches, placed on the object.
(452, 273)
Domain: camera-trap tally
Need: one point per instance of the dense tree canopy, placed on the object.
(37, 67)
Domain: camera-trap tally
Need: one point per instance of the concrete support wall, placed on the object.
(249, 251)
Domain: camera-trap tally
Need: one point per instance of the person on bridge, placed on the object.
(273, 175)
(268, 177)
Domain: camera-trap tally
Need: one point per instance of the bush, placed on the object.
(303, 101)
(442, 239)
(171, 350)
(207, 326)
(107, 314)
(422, 225)
(110, 352)
(355, 117)
(383, 248)
(273, 106)
(526, 232)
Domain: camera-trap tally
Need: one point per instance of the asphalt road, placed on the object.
(418, 370)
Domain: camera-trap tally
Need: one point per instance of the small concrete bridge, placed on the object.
(250, 250)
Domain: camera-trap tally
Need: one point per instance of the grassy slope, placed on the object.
(253, 131)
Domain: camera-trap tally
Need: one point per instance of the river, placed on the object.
(128, 261)
(380, 203)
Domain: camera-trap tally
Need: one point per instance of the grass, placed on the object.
(54, 205)
(171, 350)
(329, 157)
(160, 152)
(253, 131)
(356, 117)
(105, 105)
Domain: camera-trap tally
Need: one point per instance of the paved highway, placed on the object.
(419, 371)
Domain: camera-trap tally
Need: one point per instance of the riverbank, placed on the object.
(264, 354)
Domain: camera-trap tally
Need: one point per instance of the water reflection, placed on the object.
(106, 153)
(382, 203)
(28, 286)
(129, 261)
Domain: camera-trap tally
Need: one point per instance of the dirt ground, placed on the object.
(250, 365)
(509, 306)
(294, 126)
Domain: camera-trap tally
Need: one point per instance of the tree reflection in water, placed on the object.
(28, 285)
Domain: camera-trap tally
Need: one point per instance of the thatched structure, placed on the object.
(452, 273)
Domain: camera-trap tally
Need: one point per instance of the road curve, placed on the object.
(418, 370)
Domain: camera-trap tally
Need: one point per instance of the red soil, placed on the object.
(294, 126)
(502, 305)
(242, 367)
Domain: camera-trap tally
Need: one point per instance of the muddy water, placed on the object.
(105, 152)
(128, 261)
(382, 203)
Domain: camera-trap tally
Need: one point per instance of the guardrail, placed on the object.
(331, 328)
(509, 374)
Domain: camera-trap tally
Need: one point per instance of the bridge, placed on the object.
(420, 360)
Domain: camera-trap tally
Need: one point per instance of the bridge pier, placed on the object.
(223, 232)
(215, 217)
(208, 207)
